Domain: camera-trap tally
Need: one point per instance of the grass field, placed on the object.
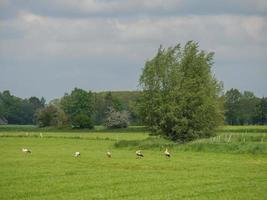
(204, 169)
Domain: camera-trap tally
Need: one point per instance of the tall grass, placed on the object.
(225, 142)
(244, 129)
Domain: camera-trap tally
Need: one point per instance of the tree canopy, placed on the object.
(80, 107)
(181, 97)
(19, 111)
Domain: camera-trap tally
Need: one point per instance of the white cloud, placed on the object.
(115, 34)
(132, 38)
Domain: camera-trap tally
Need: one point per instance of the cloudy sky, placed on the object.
(49, 47)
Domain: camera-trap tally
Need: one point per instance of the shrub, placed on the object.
(82, 121)
(117, 119)
(51, 116)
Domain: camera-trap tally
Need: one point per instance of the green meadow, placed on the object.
(231, 165)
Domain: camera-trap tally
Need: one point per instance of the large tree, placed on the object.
(181, 97)
(78, 104)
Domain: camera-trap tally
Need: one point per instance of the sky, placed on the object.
(49, 47)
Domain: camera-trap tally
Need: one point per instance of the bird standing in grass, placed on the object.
(167, 153)
(24, 150)
(139, 154)
(108, 154)
(77, 154)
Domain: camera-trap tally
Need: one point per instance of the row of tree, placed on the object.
(180, 99)
(15, 110)
(80, 108)
(240, 108)
(244, 108)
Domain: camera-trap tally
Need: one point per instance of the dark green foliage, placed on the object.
(119, 100)
(51, 116)
(82, 121)
(37, 103)
(103, 102)
(180, 95)
(117, 119)
(260, 115)
(244, 108)
(79, 101)
(95, 105)
(18, 111)
(77, 105)
(47, 116)
(232, 106)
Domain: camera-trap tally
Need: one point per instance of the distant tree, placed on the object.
(42, 101)
(181, 98)
(117, 119)
(51, 116)
(260, 116)
(36, 103)
(47, 116)
(99, 115)
(248, 103)
(82, 121)
(15, 109)
(1, 106)
(113, 102)
(135, 118)
(240, 107)
(77, 103)
(103, 103)
(232, 106)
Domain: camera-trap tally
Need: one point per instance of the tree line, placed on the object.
(79, 109)
(15, 110)
(244, 108)
(180, 98)
(240, 108)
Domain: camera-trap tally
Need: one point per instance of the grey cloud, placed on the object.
(128, 8)
(77, 38)
(49, 47)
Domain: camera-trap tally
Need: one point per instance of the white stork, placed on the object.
(77, 154)
(24, 150)
(139, 154)
(167, 153)
(108, 154)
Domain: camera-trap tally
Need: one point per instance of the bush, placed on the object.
(117, 119)
(82, 121)
(51, 116)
